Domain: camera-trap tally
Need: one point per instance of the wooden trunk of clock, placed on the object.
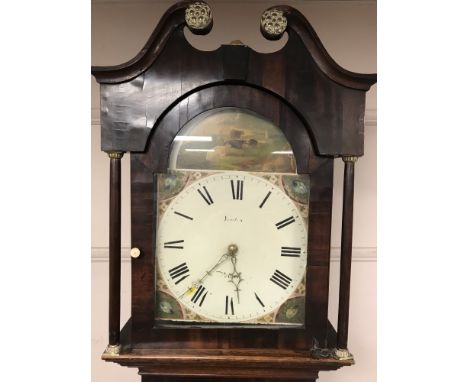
(318, 106)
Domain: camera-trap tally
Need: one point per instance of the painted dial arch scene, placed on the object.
(231, 247)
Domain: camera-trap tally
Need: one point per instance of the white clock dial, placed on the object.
(232, 247)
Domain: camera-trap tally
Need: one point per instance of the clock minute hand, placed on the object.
(221, 260)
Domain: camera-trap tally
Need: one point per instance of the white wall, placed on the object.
(348, 31)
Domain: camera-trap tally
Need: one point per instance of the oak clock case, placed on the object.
(231, 157)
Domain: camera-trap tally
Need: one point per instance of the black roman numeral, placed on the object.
(172, 244)
(229, 304)
(280, 279)
(181, 272)
(290, 251)
(205, 195)
(259, 301)
(200, 291)
(285, 222)
(237, 190)
(264, 200)
(183, 215)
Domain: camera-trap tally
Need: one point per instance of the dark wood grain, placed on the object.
(228, 363)
(299, 24)
(319, 107)
(237, 364)
(135, 96)
(145, 166)
(114, 250)
(346, 253)
(157, 378)
(174, 18)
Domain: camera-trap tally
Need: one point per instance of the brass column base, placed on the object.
(113, 350)
(343, 355)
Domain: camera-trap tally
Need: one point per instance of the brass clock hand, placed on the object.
(195, 285)
(220, 261)
(234, 277)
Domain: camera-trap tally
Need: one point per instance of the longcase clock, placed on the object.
(231, 194)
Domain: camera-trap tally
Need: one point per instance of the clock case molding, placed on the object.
(319, 107)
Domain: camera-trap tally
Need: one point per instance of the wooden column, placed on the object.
(346, 257)
(114, 251)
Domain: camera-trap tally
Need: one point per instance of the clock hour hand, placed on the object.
(234, 277)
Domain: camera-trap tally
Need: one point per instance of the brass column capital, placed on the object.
(349, 158)
(115, 154)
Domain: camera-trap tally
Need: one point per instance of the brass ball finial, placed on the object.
(273, 23)
(232, 249)
(198, 17)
